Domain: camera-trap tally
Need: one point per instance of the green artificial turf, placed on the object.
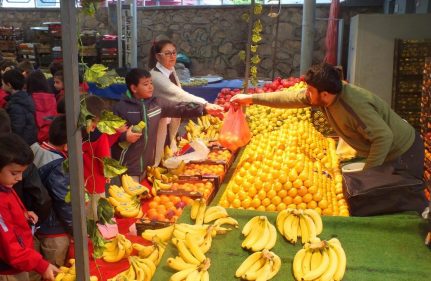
(386, 248)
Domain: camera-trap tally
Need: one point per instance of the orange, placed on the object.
(307, 182)
(242, 195)
(302, 190)
(275, 174)
(283, 178)
(307, 198)
(261, 208)
(271, 208)
(246, 202)
(257, 184)
(152, 205)
(323, 204)
(169, 204)
(297, 183)
(302, 206)
(224, 203)
(236, 203)
(252, 191)
(317, 209)
(261, 194)
(271, 193)
(255, 202)
(230, 196)
(287, 200)
(297, 200)
(282, 206)
(292, 192)
(266, 202)
(293, 175)
(156, 198)
(327, 212)
(282, 193)
(287, 185)
(266, 186)
(277, 186)
(317, 196)
(291, 206)
(311, 189)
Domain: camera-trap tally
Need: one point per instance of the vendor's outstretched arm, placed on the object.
(283, 99)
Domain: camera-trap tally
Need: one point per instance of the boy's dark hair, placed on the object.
(4, 122)
(155, 49)
(134, 75)
(59, 75)
(14, 149)
(95, 105)
(37, 83)
(55, 66)
(324, 77)
(25, 66)
(58, 131)
(15, 78)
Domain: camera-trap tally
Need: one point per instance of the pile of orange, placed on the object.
(167, 208)
(204, 169)
(204, 187)
(293, 167)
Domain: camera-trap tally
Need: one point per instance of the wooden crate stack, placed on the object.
(10, 38)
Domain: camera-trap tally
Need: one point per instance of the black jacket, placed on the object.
(140, 154)
(33, 193)
(20, 108)
(57, 183)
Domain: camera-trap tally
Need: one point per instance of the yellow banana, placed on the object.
(332, 267)
(194, 276)
(266, 271)
(60, 276)
(341, 255)
(247, 263)
(255, 234)
(253, 275)
(205, 247)
(286, 227)
(311, 227)
(316, 259)
(144, 251)
(306, 262)
(297, 265)
(295, 229)
(214, 212)
(201, 212)
(305, 235)
(279, 222)
(275, 267)
(194, 248)
(164, 234)
(272, 237)
(262, 241)
(249, 225)
(195, 209)
(186, 254)
(205, 276)
(181, 275)
(316, 273)
(314, 215)
(227, 220)
(179, 264)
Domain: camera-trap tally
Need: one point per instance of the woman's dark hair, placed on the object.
(59, 74)
(58, 131)
(4, 122)
(155, 49)
(37, 83)
(15, 78)
(134, 75)
(324, 77)
(55, 66)
(14, 149)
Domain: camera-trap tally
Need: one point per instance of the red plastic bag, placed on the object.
(234, 132)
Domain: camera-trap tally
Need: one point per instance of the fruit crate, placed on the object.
(193, 189)
(204, 171)
(409, 59)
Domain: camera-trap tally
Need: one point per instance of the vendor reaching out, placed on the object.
(140, 105)
(163, 57)
(359, 117)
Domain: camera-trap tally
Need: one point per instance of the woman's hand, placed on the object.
(49, 274)
(242, 99)
(132, 137)
(214, 109)
(122, 129)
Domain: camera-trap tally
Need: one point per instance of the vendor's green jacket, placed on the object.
(359, 117)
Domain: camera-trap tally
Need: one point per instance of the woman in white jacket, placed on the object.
(163, 57)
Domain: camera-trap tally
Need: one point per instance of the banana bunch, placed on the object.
(320, 260)
(69, 273)
(207, 128)
(178, 170)
(117, 248)
(161, 174)
(120, 194)
(259, 234)
(159, 185)
(132, 187)
(139, 270)
(260, 266)
(191, 264)
(201, 214)
(153, 252)
(203, 235)
(293, 223)
(189, 271)
(129, 209)
(162, 234)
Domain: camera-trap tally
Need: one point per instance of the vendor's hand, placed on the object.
(214, 109)
(132, 137)
(50, 272)
(242, 99)
(32, 217)
(122, 129)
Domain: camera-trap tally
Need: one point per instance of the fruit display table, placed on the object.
(378, 248)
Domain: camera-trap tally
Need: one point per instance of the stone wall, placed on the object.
(211, 37)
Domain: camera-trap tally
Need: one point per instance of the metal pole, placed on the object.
(119, 34)
(340, 41)
(308, 15)
(74, 140)
(248, 46)
(134, 33)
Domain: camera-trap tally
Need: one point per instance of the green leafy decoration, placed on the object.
(255, 59)
(96, 238)
(256, 38)
(258, 9)
(109, 123)
(85, 117)
(245, 17)
(253, 70)
(94, 72)
(105, 211)
(242, 55)
(112, 168)
(257, 27)
(253, 48)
